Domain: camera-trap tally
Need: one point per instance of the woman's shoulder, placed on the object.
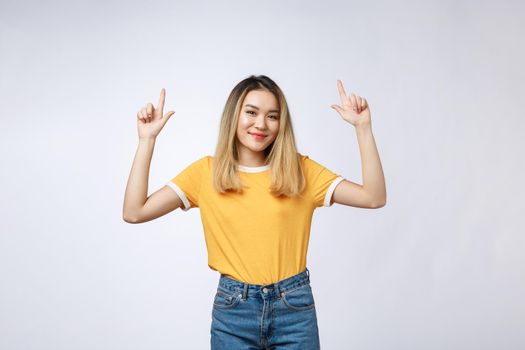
(202, 162)
(304, 158)
(204, 159)
(309, 164)
(207, 160)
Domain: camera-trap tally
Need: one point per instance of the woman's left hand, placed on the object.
(354, 109)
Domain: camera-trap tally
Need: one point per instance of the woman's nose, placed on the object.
(260, 122)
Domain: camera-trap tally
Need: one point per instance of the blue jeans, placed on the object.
(278, 316)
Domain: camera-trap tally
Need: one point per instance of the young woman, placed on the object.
(256, 197)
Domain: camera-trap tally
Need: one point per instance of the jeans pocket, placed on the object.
(299, 298)
(226, 299)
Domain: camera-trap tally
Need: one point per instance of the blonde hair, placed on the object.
(287, 177)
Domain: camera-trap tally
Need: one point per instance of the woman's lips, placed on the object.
(257, 137)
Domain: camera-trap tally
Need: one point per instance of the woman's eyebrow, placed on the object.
(257, 108)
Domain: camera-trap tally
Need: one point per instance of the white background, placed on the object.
(441, 266)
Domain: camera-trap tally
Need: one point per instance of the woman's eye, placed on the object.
(271, 116)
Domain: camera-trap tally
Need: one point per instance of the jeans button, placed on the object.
(265, 290)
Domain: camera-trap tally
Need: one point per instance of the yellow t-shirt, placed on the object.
(255, 237)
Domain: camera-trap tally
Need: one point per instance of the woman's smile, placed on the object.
(258, 137)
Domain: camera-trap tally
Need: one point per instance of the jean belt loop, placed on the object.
(307, 272)
(277, 289)
(245, 291)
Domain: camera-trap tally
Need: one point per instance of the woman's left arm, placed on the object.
(372, 194)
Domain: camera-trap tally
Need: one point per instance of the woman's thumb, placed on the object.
(169, 114)
(337, 108)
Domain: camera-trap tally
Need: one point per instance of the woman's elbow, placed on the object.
(131, 219)
(379, 204)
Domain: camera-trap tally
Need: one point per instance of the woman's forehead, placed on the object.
(261, 99)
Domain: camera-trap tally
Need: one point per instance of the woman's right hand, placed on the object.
(150, 120)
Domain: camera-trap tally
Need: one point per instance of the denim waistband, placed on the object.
(276, 288)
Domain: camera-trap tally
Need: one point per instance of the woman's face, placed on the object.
(259, 115)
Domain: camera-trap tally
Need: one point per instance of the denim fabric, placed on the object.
(278, 316)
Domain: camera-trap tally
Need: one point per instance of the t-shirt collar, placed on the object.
(253, 169)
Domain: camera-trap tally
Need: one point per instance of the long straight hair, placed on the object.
(287, 177)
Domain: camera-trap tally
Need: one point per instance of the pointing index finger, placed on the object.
(342, 92)
(162, 97)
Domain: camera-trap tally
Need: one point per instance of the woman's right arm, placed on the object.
(138, 207)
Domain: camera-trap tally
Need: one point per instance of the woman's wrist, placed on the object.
(363, 128)
(147, 140)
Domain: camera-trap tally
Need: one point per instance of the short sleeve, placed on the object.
(321, 181)
(187, 183)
